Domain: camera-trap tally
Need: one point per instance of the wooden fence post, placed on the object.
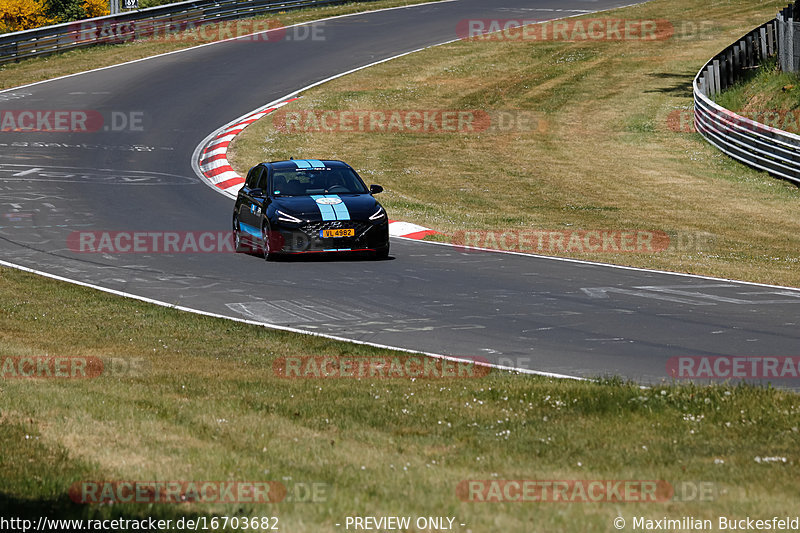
(711, 84)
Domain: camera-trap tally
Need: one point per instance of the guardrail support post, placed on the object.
(768, 33)
(788, 44)
(729, 66)
(780, 28)
(710, 78)
(759, 57)
(742, 55)
(795, 57)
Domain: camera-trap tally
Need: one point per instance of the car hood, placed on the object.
(358, 206)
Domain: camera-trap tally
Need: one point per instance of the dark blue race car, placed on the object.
(307, 205)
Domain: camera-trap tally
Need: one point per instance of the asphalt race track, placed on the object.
(532, 313)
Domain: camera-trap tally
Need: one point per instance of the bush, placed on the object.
(96, 8)
(17, 15)
(65, 10)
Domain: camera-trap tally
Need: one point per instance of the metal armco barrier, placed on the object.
(137, 24)
(755, 144)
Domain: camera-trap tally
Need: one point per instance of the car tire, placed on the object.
(265, 244)
(238, 244)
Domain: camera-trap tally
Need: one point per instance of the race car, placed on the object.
(309, 206)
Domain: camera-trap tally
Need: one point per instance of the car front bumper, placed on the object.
(307, 238)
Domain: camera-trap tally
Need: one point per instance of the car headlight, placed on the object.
(379, 215)
(284, 217)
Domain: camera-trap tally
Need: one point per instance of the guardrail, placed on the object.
(137, 24)
(755, 144)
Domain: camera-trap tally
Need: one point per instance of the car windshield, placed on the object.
(303, 182)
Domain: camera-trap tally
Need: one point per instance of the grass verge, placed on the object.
(767, 90)
(607, 149)
(206, 404)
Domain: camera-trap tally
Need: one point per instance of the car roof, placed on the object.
(310, 164)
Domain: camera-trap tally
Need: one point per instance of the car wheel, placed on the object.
(239, 246)
(265, 242)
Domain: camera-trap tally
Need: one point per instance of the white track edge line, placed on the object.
(284, 328)
(608, 265)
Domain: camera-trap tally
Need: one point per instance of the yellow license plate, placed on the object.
(340, 232)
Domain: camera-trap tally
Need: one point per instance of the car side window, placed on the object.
(252, 177)
(261, 182)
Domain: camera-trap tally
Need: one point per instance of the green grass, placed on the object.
(768, 89)
(207, 405)
(606, 154)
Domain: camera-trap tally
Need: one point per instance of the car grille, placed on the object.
(307, 236)
(313, 229)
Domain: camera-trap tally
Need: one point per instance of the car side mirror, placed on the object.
(257, 193)
(375, 189)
